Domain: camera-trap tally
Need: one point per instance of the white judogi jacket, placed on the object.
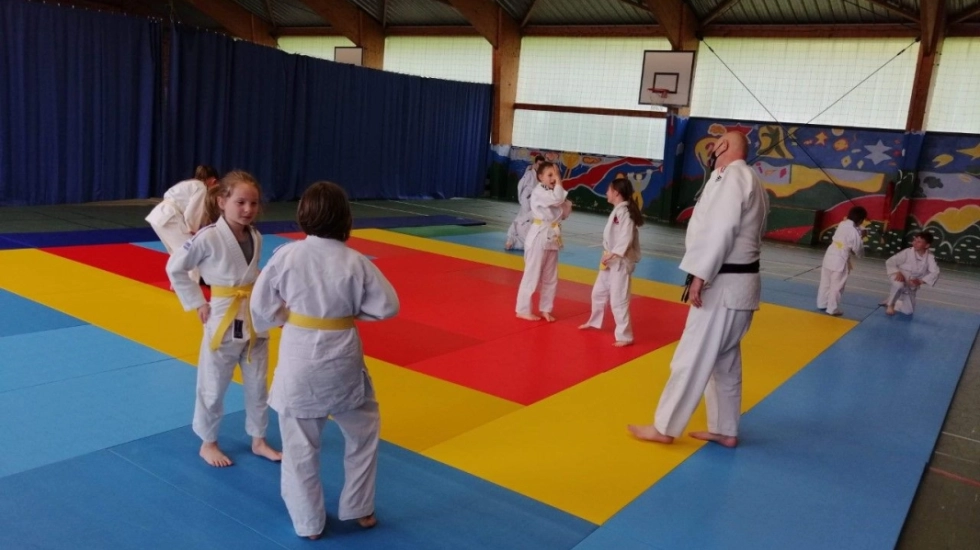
(215, 251)
(320, 372)
(185, 202)
(621, 236)
(727, 227)
(913, 266)
(847, 240)
(546, 212)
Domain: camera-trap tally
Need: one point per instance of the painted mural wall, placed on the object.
(907, 181)
(946, 198)
(585, 176)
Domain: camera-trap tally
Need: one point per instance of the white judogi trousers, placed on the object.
(173, 238)
(708, 361)
(301, 487)
(612, 286)
(540, 270)
(831, 289)
(901, 296)
(214, 372)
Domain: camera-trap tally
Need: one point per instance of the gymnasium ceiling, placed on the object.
(293, 17)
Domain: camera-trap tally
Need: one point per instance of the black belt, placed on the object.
(725, 268)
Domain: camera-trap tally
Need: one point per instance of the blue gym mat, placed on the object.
(106, 390)
(23, 316)
(830, 460)
(107, 500)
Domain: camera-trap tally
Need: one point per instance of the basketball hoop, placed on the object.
(662, 92)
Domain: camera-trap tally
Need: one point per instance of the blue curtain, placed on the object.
(79, 97)
(292, 120)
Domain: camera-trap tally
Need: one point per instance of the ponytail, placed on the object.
(624, 187)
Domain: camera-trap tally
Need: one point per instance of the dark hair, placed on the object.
(205, 172)
(927, 237)
(324, 211)
(539, 158)
(544, 166)
(857, 215)
(624, 187)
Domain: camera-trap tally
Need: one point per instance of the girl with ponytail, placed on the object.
(621, 251)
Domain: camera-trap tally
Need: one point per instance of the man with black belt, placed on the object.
(724, 237)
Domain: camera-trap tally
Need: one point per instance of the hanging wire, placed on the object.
(790, 134)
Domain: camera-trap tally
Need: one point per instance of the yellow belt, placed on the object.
(539, 221)
(320, 323)
(237, 294)
(602, 265)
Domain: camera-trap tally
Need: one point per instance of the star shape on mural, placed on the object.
(821, 138)
(877, 152)
(974, 152)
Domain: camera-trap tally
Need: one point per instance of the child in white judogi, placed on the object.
(318, 286)
(848, 240)
(620, 252)
(907, 271)
(227, 254)
(517, 232)
(182, 212)
(548, 208)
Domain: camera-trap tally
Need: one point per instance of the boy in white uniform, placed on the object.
(318, 286)
(907, 271)
(517, 232)
(848, 240)
(724, 239)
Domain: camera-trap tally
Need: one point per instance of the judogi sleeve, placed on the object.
(194, 213)
(524, 188)
(894, 264)
(622, 236)
(855, 242)
(266, 304)
(549, 197)
(379, 300)
(715, 239)
(180, 263)
(933, 274)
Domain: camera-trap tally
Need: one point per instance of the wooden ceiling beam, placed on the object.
(679, 23)
(883, 30)
(354, 23)
(488, 18)
(237, 20)
(604, 31)
(719, 10)
(434, 30)
(898, 10)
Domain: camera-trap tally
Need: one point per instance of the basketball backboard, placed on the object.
(666, 78)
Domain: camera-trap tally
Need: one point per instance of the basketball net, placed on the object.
(658, 98)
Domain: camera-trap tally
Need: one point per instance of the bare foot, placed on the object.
(621, 343)
(528, 316)
(585, 326)
(723, 440)
(262, 448)
(890, 311)
(321, 533)
(367, 522)
(509, 245)
(213, 455)
(837, 313)
(548, 316)
(649, 433)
